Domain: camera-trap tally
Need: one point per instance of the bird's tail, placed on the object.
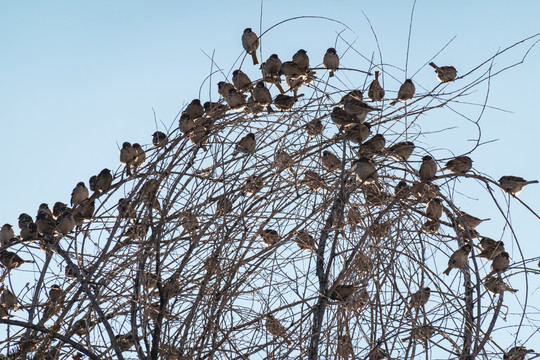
(394, 102)
(432, 64)
(447, 271)
(531, 182)
(254, 57)
(331, 73)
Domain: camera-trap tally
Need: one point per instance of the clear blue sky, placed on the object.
(77, 78)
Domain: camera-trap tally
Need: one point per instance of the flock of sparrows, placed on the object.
(197, 122)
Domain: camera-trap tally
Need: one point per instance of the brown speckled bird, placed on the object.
(375, 92)
(250, 42)
(444, 73)
(459, 258)
(331, 61)
(514, 184)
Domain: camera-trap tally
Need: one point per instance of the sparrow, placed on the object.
(148, 194)
(246, 145)
(150, 281)
(305, 241)
(270, 70)
(291, 70)
(331, 61)
(8, 300)
(79, 194)
(125, 342)
(262, 96)
(199, 136)
(314, 128)
(459, 258)
(80, 327)
(4, 313)
(250, 42)
(65, 223)
(224, 205)
(470, 221)
(358, 109)
(253, 107)
(85, 211)
(24, 219)
(235, 100)
(406, 92)
(44, 208)
(29, 232)
(496, 286)
(419, 299)
(285, 102)
(294, 84)
(431, 226)
(301, 59)
(459, 165)
(354, 217)
(428, 168)
(490, 248)
(434, 209)
(357, 133)
(45, 224)
(282, 159)
(127, 156)
(353, 94)
(59, 208)
(253, 184)
(241, 81)
(269, 237)
(402, 188)
(125, 209)
(517, 353)
(194, 109)
(276, 329)
(140, 159)
(330, 161)
(313, 181)
(421, 334)
(372, 146)
(224, 88)
(514, 184)
(214, 110)
(6, 234)
(56, 294)
(159, 140)
(375, 92)
(378, 353)
(341, 118)
(343, 292)
(365, 170)
(444, 73)
(10, 260)
(500, 264)
(344, 347)
(190, 222)
(186, 124)
(401, 151)
(102, 182)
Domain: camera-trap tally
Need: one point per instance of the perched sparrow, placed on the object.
(344, 346)
(253, 184)
(458, 259)
(253, 107)
(514, 184)
(434, 209)
(127, 156)
(8, 300)
(79, 194)
(330, 161)
(490, 248)
(500, 263)
(282, 159)
(262, 96)
(459, 165)
(6, 234)
(294, 84)
(314, 128)
(56, 294)
(313, 180)
(250, 42)
(44, 208)
(81, 326)
(194, 109)
(224, 205)
(343, 292)
(214, 110)
(291, 70)
(358, 109)
(401, 151)
(496, 286)
(354, 217)
(331, 61)
(241, 81)
(24, 219)
(190, 222)
(65, 223)
(125, 209)
(357, 133)
(159, 140)
(406, 92)
(276, 329)
(305, 241)
(246, 145)
(378, 353)
(517, 353)
(431, 226)
(421, 334)
(444, 73)
(102, 182)
(270, 69)
(402, 189)
(419, 299)
(269, 237)
(301, 59)
(365, 170)
(45, 224)
(58, 209)
(428, 169)
(353, 94)
(285, 102)
(10, 260)
(186, 124)
(199, 136)
(85, 211)
(373, 146)
(29, 232)
(148, 194)
(235, 100)
(470, 221)
(376, 92)
(4, 313)
(341, 118)
(141, 155)
(224, 88)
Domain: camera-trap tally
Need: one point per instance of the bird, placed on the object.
(405, 93)
(214, 110)
(65, 223)
(250, 42)
(431, 226)
(402, 189)
(365, 170)
(331, 61)
(496, 286)
(45, 224)
(271, 71)
(186, 124)
(378, 353)
(102, 182)
(291, 70)
(282, 159)
(444, 73)
(490, 248)
(44, 208)
(305, 241)
(159, 140)
(24, 219)
(275, 328)
(80, 327)
(344, 347)
(8, 300)
(85, 211)
(459, 165)
(241, 81)
(59, 208)
(428, 168)
(224, 205)
(235, 100)
(514, 184)
(269, 237)
(459, 258)
(357, 133)
(79, 194)
(341, 118)
(314, 128)
(401, 151)
(343, 292)
(125, 342)
(374, 145)
(469, 221)
(6, 234)
(224, 88)
(253, 184)
(330, 161)
(140, 159)
(194, 109)
(56, 294)
(125, 209)
(313, 180)
(285, 102)
(421, 333)
(517, 353)
(375, 91)
(358, 109)
(262, 96)
(353, 94)
(245, 145)
(434, 209)
(4, 313)
(301, 59)
(419, 299)
(10, 260)
(500, 263)
(127, 156)
(29, 232)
